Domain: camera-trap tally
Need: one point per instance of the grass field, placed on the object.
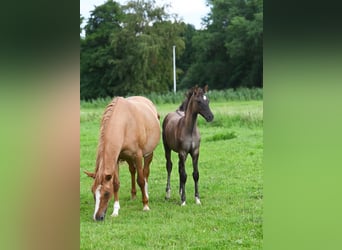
(230, 186)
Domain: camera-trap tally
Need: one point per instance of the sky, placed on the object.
(191, 11)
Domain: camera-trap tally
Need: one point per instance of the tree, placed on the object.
(144, 48)
(97, 72)
(244, 44)
(187, 58)
(229, 51)
(128, 49)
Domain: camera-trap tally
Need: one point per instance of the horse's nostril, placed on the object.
(100, 218)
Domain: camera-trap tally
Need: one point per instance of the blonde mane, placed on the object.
(100, 148)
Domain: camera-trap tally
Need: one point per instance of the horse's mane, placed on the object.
(185, 103)
(105, 118)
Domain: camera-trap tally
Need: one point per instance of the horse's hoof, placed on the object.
(183, 203)
(115, 214)
(198, 202)
(116, 209)
(146, 208)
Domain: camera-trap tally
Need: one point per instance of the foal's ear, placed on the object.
(195, 90)
(92, 175)
(205, 88)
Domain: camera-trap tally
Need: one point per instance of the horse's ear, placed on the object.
(92, 175)
(205, 88)
(195, 90)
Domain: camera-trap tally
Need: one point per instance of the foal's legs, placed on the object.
(116, 186)
(195, 174)
(182, 176)
(132, 169)
(168, 169)
(141, 180)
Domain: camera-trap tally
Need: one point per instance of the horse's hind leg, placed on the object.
(195, 175)
(132, 170)
(168, 169)
(141, 181)
(147, 162)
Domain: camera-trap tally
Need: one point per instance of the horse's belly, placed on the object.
(190, 145)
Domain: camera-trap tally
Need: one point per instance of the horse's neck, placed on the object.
(106, 159)
(190, 118)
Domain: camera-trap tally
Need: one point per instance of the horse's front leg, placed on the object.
(195, 174)
(132, 170)
(141, 181)
(116, 186)
(182, 176)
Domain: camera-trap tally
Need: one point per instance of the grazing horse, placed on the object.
(130, 131)
(180, 134)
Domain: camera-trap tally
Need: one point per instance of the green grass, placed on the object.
(230, 187)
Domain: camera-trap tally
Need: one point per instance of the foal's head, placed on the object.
(102, 190)
(200, 102)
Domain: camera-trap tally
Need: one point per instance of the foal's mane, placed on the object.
(184, 104)
(188, 96)
(100, 148)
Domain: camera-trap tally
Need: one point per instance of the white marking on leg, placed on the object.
(146, 208)
(116, 209)
(168, 194)
(146, 188)
(183, 204)
(97, 200)
(198, 202)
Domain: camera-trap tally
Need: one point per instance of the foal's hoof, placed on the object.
(183, 203)
(198, 202)
(146, 208)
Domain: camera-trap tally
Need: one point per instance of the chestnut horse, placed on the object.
(180, 134)
(130, 131)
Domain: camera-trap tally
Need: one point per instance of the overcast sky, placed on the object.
(191, 11)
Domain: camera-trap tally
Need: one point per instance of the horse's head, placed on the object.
(200, 103)
(102, 190)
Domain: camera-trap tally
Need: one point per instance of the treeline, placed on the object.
(127, 49)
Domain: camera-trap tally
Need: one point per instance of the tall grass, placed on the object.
(240, 94)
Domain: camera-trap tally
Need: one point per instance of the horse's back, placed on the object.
(141, 125)
(143, 102)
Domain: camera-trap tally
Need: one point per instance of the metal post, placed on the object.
(174, 68)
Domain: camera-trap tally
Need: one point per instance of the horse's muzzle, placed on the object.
(101, 216)
(209, 117)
